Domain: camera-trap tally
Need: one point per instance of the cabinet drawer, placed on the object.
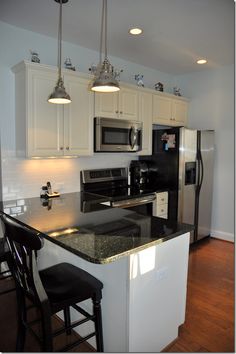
(164, 216)
(162, 198)
(161, 209)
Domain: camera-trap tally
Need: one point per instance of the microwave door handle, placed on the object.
(132, 137)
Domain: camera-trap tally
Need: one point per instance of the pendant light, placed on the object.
(105, 80)
(59, 94)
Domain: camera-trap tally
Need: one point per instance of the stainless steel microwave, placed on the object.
(117, 135)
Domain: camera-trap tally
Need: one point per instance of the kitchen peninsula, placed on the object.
(141, 260)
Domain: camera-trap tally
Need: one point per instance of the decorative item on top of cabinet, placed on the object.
(160, 205)
(169, 109)
(139, 80)
(45, 130)
(122, 104)
(34, 56)
(159, 87)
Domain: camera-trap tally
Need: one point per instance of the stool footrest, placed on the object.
(72, 345)
(73, 325)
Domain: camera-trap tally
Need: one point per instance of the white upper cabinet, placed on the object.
(122, 104)
(78, 118)
(50, 130)
(145, 116)
(169, 110)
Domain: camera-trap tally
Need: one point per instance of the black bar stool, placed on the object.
(51, 290)
(4, 258)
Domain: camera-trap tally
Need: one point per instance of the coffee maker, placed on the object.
(138, 171)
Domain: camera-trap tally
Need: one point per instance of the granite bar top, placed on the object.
(98, 234)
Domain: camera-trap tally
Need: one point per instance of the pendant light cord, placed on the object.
(103, 34)
(105, 29)
(59, 40)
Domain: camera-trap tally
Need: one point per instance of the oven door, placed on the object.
(117, 135)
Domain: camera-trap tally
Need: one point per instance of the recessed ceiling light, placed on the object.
(135, 31)
(201, 61)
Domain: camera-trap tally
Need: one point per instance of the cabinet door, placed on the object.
(180, 112)
(128, 104)
(162, 110)
(78, 118)
(106, 105)
(145, 116)
(45, 120)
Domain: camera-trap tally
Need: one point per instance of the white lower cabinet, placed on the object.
(50, 130)
(160, 205)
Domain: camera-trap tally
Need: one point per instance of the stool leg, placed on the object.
(47, 344)
(98, 324)
(67, 319)
(21, 314)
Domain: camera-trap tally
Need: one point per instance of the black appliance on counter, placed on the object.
(110, 187)
(182, 163)
(159, 172)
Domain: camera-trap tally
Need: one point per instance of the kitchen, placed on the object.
(210, 91)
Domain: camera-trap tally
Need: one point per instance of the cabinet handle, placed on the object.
(61, 147)
(67, 148)
(117, 111)
(162, 199)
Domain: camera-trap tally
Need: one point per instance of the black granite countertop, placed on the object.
(98, 235)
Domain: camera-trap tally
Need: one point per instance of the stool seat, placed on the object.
(66, 285)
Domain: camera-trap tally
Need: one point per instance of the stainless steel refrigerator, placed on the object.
(196, 155)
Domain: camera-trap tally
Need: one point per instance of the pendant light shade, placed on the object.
(59, 94)
(105, 80)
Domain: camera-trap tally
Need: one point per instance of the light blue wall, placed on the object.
(211, 94)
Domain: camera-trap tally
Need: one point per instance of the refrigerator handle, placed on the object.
(202, 171)
(198, 160)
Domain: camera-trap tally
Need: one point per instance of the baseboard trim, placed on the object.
(226, 236)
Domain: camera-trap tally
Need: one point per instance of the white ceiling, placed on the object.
(175, 32)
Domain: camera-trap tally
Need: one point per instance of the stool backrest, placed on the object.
(23, 244)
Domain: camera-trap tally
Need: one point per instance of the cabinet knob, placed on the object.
(121, 112)
(67, 148)
(117, 111)
(61, 147)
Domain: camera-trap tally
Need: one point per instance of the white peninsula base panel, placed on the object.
(144, 295)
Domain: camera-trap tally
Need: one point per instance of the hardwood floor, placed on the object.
(209, 325)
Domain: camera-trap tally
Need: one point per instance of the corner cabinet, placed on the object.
(49, 130)
(169, 110)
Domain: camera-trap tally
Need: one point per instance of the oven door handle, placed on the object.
(133, 202)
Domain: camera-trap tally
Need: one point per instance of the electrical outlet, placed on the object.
(162, 273)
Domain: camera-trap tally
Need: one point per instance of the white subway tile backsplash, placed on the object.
(23, 178)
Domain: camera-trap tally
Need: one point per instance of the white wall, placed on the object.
(21, 177)
(211, 94)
